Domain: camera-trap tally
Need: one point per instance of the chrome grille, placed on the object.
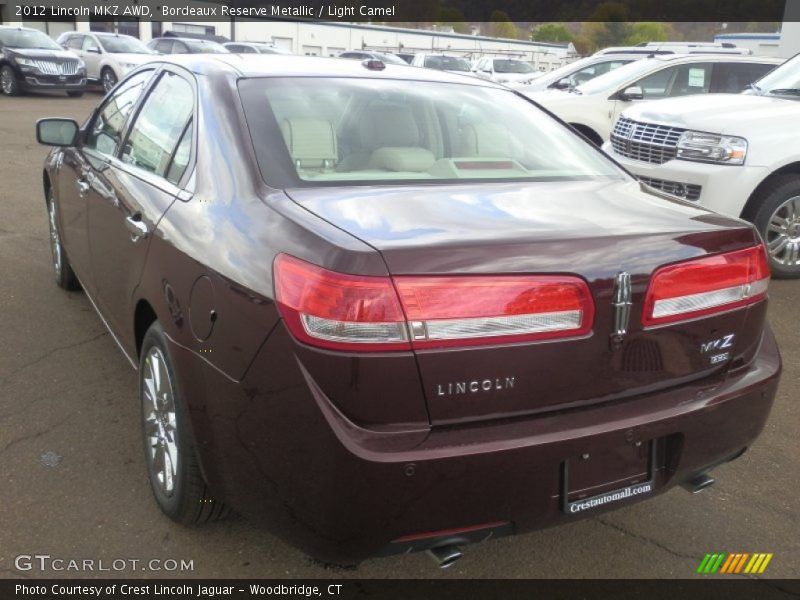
(51, 67)
(646, 142)
(688, 191)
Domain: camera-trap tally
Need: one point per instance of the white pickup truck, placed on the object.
(738, 154)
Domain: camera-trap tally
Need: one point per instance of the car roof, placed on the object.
(679, 58)
(20, 28)
(183, 39)
(284, 65)
(105, 34)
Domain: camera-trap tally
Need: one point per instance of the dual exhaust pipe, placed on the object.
(447, 555)
(698, 483)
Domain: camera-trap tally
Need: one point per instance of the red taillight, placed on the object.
(706, 285)
(354, 312)
(336, 310)
(446, 311)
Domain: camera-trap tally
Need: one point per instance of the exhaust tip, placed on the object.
(697, 484)
(445, 556)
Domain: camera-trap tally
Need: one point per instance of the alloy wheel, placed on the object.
(6, 81)
(55, 238)
(109, 80)
(160, 421)
(783, 233)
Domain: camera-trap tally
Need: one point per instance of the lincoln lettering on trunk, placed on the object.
(456, 388)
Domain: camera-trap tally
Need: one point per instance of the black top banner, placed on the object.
(408, 11)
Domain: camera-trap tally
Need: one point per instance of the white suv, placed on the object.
(593, 107)
(108, 56)
(736, 154)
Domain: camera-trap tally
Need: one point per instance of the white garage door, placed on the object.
(312, 50)
(282, 43)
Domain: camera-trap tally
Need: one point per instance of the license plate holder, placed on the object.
(632, 476)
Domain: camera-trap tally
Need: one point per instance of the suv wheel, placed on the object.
(108, 79)
(62, 271)
(8, 81)
(778, 221)
(172, 466)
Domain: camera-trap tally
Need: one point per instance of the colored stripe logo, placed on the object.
(737, 562)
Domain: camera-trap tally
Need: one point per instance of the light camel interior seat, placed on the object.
(311, 143)
(485, 139)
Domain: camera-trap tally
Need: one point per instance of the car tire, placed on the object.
(74, 94)
(108, 79)
(174, 472)
(778, 221)
(62, 271)
(8, 81)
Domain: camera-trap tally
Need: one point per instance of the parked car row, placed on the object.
(557, 338)
(733, 153)
(594, 106)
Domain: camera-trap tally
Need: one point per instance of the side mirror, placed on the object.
(562, 84)
(93, 49)
(632, 93)
(56, 132)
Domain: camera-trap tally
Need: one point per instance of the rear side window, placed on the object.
(163, 46)
(75, 42)
(89, 43)
(679, 80)
(154, 140)
(105, 133)
(732, 78)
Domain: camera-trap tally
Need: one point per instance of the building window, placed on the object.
(194, 28)
(125, 27)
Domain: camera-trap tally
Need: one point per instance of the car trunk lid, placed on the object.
(605, 232)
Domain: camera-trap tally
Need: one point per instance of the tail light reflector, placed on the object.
(354, 312)
(706, 285)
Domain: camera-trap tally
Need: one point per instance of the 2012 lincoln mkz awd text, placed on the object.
(383, 309)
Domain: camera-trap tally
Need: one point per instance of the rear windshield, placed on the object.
(328, 131)
(122, 44)
(446, 63)
(205, 47)
(511, 66)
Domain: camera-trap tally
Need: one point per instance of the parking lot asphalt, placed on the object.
(72, 476)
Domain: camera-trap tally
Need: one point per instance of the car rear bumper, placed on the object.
(276, 449)
(723, 188)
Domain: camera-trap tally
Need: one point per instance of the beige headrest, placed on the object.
(311, 142)
(485, 139)
(388, 126)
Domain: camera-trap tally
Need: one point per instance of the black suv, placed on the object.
(30, 60)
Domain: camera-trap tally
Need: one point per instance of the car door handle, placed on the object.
(83, 186)
(137, 228)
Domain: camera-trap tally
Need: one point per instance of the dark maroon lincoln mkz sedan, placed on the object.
(383, 309)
